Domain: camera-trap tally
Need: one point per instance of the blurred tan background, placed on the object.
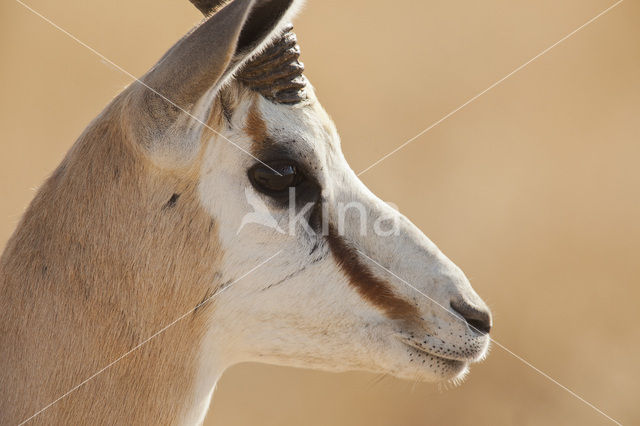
(533, 189)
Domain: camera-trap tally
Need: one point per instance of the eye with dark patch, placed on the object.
(276, 178)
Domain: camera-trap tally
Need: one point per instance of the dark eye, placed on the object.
(276, 179)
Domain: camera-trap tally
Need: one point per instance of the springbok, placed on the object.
(139, 224)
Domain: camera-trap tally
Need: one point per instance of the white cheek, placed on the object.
(221, 189)
(226, 194)
(317, 295)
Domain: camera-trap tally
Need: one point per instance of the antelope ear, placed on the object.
(176, 95)
(208, 6)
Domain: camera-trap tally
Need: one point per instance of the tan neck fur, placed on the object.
(104, 257)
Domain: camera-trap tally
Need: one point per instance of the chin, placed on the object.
(460, 376)
(440, 371)
(452, 371)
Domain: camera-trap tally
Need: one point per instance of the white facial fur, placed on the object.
(300, 308)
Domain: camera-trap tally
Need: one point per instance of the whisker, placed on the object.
(378, 380)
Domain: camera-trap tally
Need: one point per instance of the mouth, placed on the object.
(438, 358)
(447, 362)
(468, 352)
(439, 367)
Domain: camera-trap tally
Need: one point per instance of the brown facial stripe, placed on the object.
(256, 129)
(255, 126)
(370, 287)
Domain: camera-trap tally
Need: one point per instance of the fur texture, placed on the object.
(142, 222)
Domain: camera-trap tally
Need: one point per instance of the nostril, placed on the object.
(479, 325)
(479, 319)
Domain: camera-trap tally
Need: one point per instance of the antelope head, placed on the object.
(355, 285)
(153, 212)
